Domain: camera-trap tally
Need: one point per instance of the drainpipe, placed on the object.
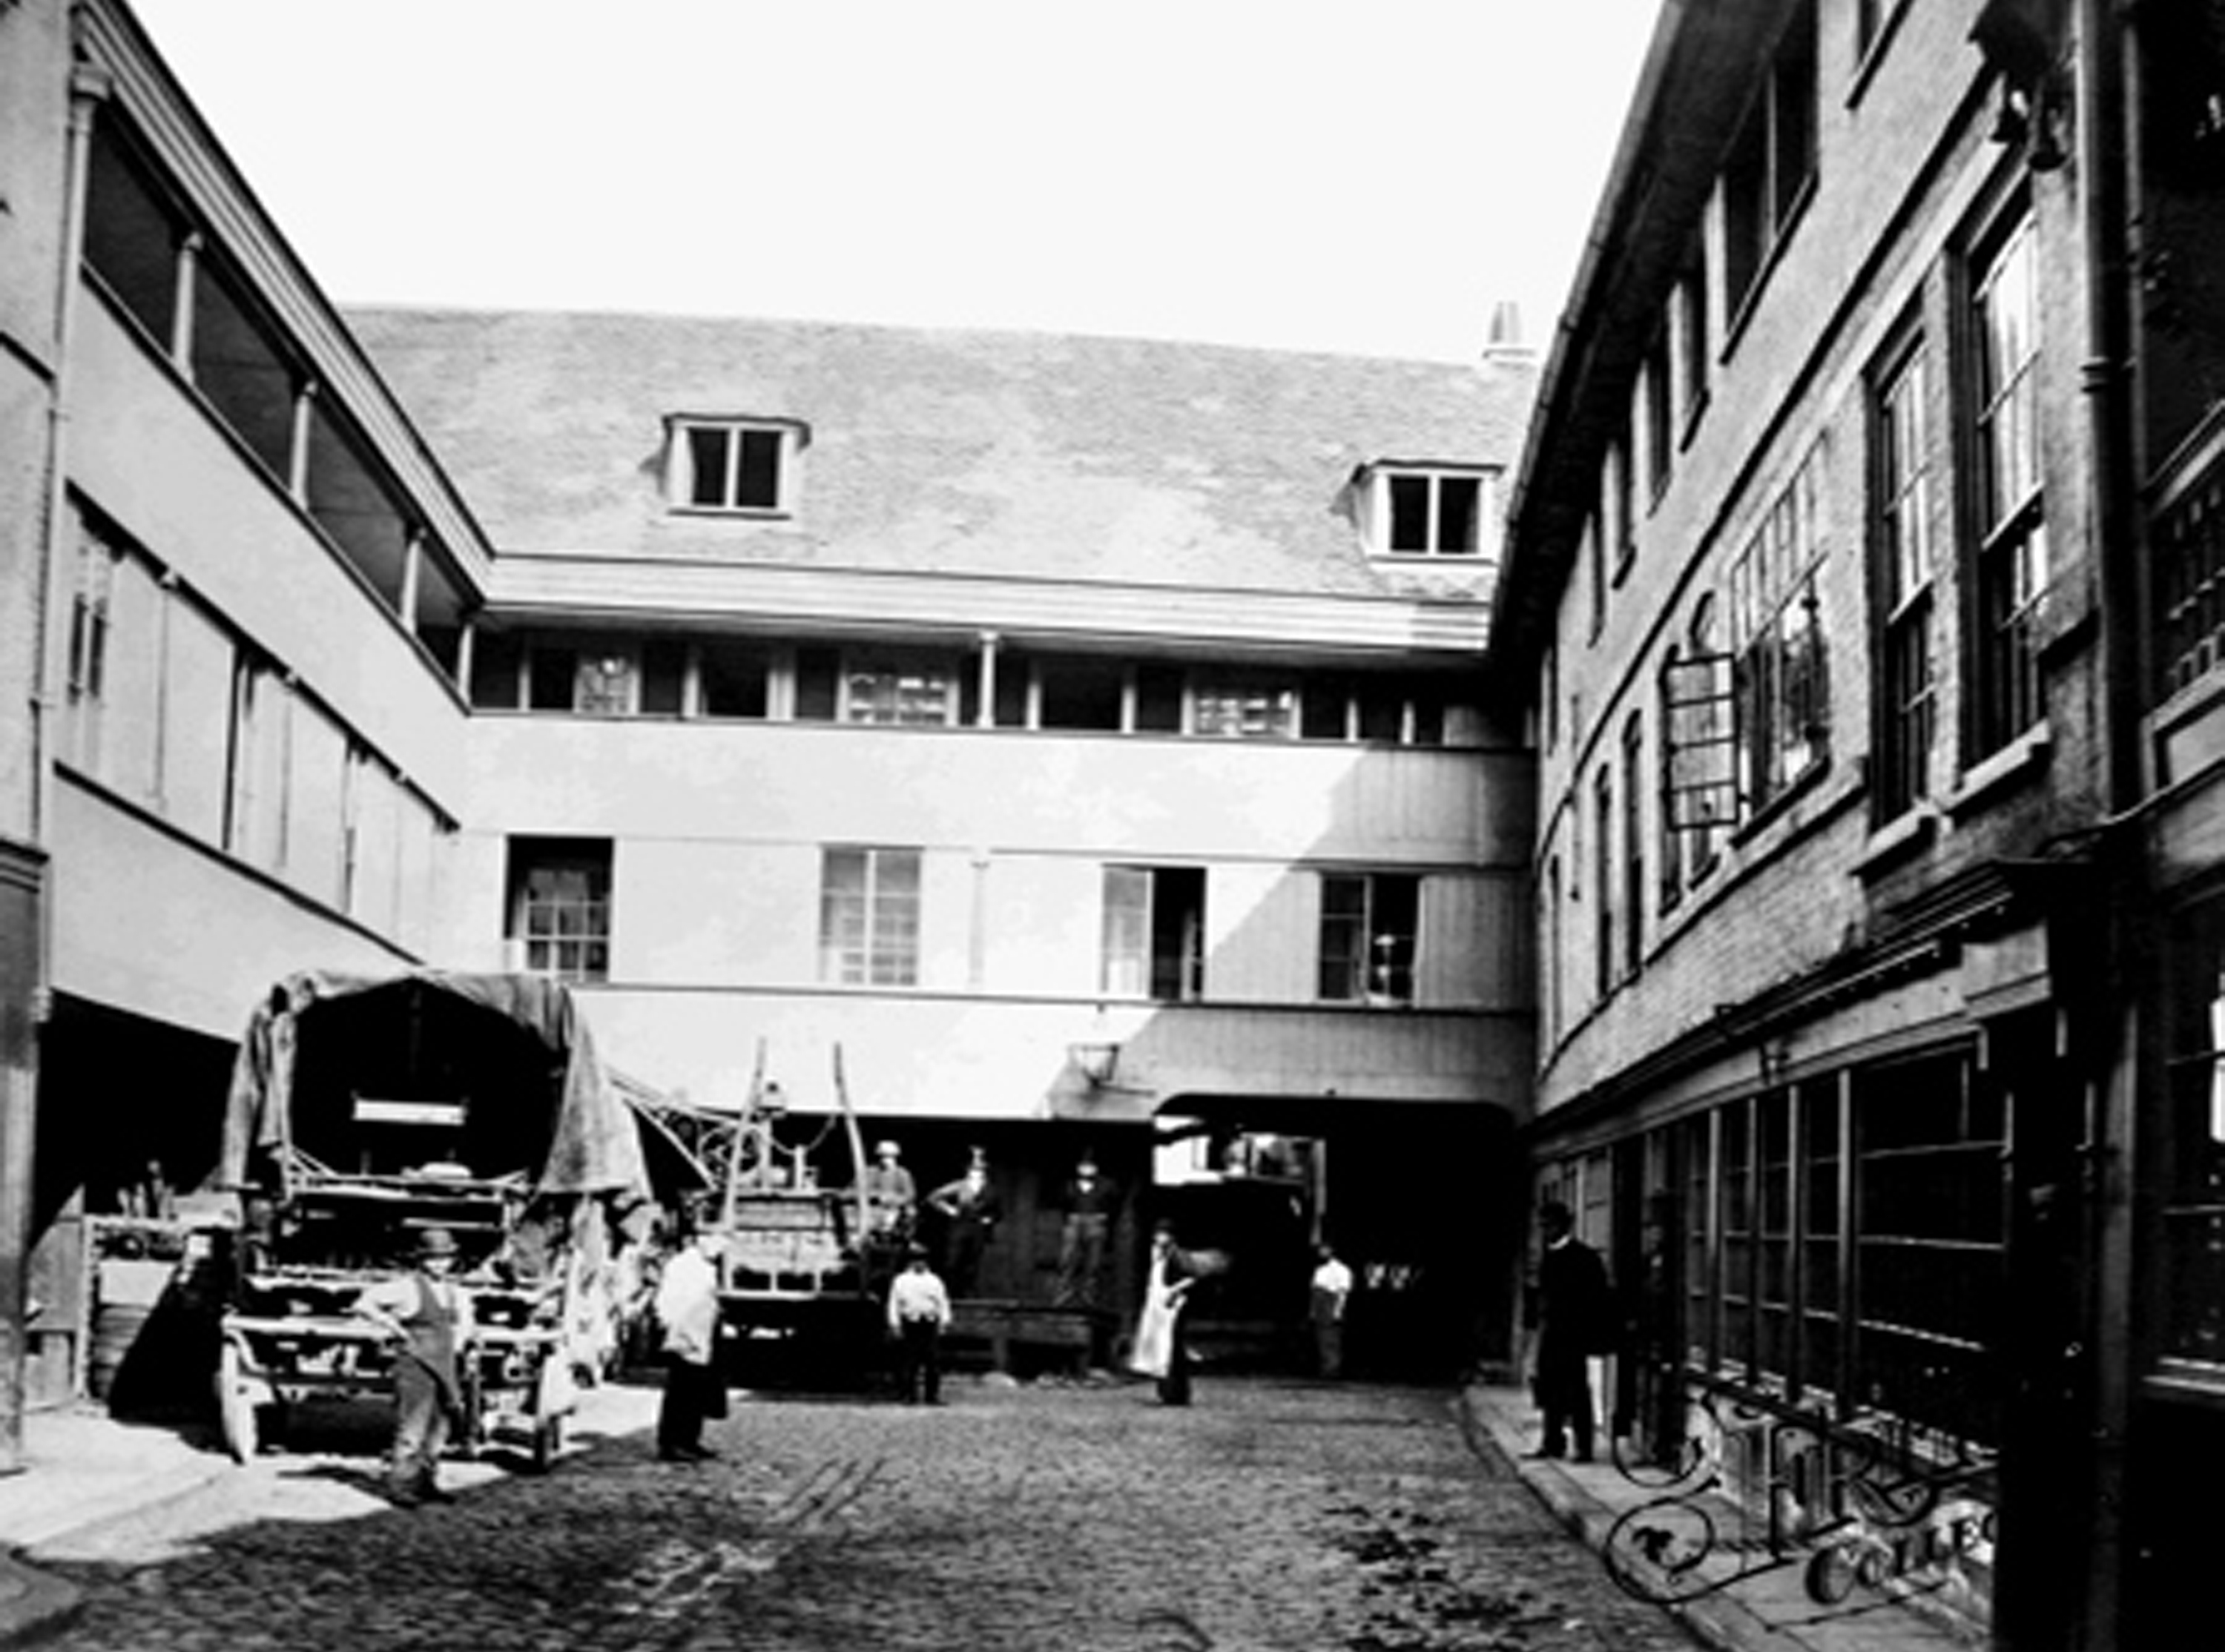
(19, 1078)
(2123, 1058)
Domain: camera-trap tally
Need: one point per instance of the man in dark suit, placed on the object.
(970, 1209)
(1572, 1316)
(1086, 1235)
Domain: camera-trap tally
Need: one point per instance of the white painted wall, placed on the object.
(165, 470)
(718, 831)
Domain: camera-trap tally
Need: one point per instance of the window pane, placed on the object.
(706, 465)
(1177, 932)
(1410, 513)
(869, 916)
(605, 683)
(902, 697)
(1428, 720)
(1323, 713)
(1746, 214)
(246, 375)
(497, 663)
(817, 682)
(1080, 694)
(130, 238)
(2008, 351)
(1820, 1250)
(2194, 1212)
(1368, 935)
(1382, 712)
(1393, 932)
(552, 679)
(560, 903)
(1695, 310)
(664, 678)
(1343, 932)
(1794, 91)
(1158, 700)
(1738, 1248)
(735, 677)
(1931, 1255)
(1902, 514)
(1126, 945)
(756, 483)
(1456, 515)
(1246, 713)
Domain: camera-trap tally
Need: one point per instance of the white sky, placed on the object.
(1361, 177)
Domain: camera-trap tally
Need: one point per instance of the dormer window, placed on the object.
(744, 466)
(1427, 510)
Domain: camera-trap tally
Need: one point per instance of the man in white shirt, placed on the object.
(687, 1319)
(1332, 1289)
(919, 1312)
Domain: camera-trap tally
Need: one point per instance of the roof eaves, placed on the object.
(1689, 99)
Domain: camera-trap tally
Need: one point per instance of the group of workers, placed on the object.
(428, 1312)
(968, 1210)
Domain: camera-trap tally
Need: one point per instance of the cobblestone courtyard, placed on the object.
(1270, 1516)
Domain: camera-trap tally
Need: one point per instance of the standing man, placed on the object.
(891, 1194)
(1331, 1290)
(969, 1210)
(1090, 1203)
(687, 1321)
(1572, 1318)
(429, 1316)
(919, 1313)
(1160, 1350)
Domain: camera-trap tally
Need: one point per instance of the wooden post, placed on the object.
(21, 1003)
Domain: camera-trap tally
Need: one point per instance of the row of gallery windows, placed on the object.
(749, 680)
(163, 268)
(870, 906)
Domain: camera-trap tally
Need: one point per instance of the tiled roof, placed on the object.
(1018, 455)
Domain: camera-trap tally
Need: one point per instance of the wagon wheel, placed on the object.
(235, 1399)
(547, 1442)
(471, 1431)
(550, 1407)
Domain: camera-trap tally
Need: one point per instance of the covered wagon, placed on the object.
(365, 1110)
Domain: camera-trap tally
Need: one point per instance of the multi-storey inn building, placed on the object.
(1864, 564)
(984, 708)
(1034, 738)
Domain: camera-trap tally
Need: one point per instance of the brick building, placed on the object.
(1862, 565)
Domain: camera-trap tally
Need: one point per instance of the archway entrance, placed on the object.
(1424, 1202)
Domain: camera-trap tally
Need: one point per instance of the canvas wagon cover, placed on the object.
(515, 1045)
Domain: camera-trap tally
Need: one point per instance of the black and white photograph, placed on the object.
(1018, 826)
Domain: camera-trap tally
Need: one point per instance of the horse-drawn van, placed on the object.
(367, 1110)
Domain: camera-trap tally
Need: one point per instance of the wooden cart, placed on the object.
(493, 1123)
(802, 1266)
(293, 1339)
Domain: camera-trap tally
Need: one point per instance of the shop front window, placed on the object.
(1931, 1244)
(2194, 1213)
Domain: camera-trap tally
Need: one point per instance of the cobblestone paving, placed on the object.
(1269, 1518)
